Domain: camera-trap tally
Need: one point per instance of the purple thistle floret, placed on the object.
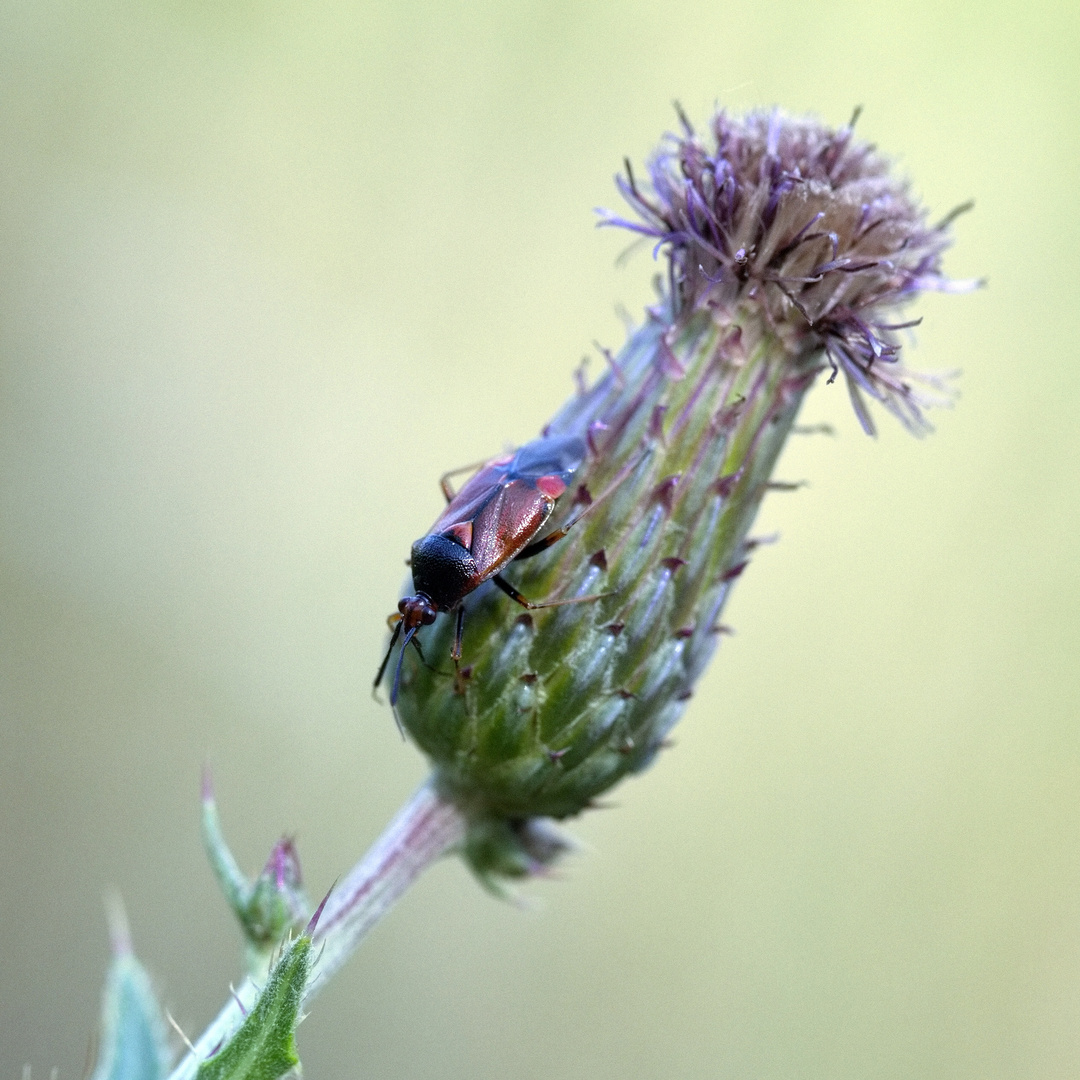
(282, 869)
(809, 223)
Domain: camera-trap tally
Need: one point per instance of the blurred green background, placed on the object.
(267, 270)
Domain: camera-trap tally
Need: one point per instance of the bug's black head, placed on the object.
(416, 611)
(443, 571)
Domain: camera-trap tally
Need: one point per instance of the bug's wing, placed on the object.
(500, 509)
(474, 495)
(555, 456)
(506, 524)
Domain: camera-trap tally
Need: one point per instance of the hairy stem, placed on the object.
(425, 829)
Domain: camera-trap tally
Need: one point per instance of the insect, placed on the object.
(489, 523)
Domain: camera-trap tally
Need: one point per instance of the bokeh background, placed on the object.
(268, 269)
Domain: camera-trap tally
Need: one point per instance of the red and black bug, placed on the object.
(490, 522)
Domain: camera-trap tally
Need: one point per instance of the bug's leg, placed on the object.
(516, 596)
(460, 676)
(554, 537)
(444, 480)
(459, 633)
(386, 658)
(423, 659)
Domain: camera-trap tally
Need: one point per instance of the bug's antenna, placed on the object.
(386, 660)
(401, 656)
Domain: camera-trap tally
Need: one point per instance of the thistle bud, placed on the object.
(268, 908)
(790, 246)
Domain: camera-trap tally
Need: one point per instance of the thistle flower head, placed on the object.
(789, 246)
(813, 226)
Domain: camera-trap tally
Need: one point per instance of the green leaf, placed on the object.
(264, 1048)
(133, 1038)
(230, 877)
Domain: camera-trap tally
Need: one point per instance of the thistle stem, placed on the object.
(425, 829)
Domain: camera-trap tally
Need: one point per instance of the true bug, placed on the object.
(490, 522)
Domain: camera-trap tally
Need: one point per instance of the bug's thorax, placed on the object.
(443, 570)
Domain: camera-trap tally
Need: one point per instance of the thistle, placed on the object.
(790, 247)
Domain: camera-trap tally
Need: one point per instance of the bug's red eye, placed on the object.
(428, 617)
(402, 604)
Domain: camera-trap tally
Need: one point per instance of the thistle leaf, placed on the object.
(133, 1037)
(264, 1048)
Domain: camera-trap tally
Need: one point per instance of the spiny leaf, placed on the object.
(264, 1048)
(133, 1038)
